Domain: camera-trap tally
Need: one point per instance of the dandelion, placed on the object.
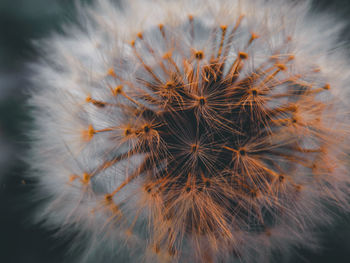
(192, 131)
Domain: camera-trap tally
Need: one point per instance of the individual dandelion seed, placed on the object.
(192, 131)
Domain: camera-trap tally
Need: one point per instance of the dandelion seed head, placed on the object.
(213, 131)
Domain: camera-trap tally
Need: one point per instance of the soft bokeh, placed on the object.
(22, 21)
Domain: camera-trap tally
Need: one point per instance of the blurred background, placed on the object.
(22, 21)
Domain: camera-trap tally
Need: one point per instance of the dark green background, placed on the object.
(21, 242)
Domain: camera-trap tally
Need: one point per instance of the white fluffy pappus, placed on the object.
(191, 131)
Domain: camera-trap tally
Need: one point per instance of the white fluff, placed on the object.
(75, 65)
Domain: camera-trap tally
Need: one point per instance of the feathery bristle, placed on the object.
(204, 137)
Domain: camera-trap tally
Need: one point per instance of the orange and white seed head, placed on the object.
(192, 131)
